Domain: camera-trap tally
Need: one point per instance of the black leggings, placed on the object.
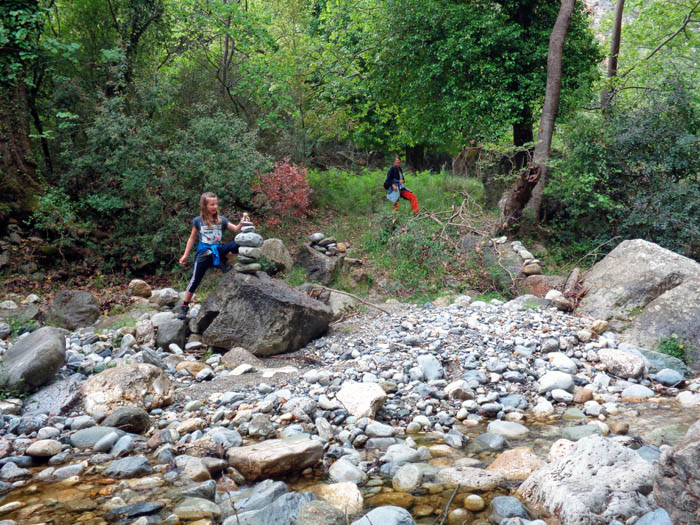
(201, 266)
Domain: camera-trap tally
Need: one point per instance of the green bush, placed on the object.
(632, 172)
(135, 185)
(674, 347)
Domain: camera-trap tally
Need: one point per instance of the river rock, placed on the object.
(139, 288)
(668, 377)
(622, 363)
(191, 509)
(598, 481)
(73, 309)
(539, 285)
(238, 356)
(636, 392)
(516, 464)
(282, 510)
(169, 332)
(555, 380)
(140, 385)
(345, 497)
(361, 399)
(388, 515)
(319, 267)
(130, 419)
(431, 367)
(319, 513)
(344, 471)
(470, 478)
(656, 290)
(34, 360)
(164, 297)
(131, 467)
(44, 448)
(658, 517)
(275, 457)
(250, 239)
(264, 315)
(276, 252)
(676, 479)
(507, 429)
(503, 507)
(89, 437)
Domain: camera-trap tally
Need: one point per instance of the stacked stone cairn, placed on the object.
(323, 244)
(249, 250)
(531, 266)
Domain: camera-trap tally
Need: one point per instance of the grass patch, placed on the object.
(676, 348)
(296, 276)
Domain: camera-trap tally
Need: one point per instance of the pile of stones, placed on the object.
(531, 265)
(249, 251)
(325, 245)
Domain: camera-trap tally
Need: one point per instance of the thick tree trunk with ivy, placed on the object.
(17, 167)
(20, 20)
(536, 172)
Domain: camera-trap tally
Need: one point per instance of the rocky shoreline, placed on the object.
(389, 412)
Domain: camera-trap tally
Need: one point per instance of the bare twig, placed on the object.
(442, 517)
(595, 250)
(354, 297)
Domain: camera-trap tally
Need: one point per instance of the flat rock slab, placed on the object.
(275, 457)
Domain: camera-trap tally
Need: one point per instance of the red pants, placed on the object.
(409, 196)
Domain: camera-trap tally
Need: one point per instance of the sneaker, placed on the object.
(183, 312)
(226, 268)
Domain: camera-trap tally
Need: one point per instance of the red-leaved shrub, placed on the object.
(283, 193)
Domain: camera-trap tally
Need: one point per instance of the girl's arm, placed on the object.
(238, 227)
(190, 244)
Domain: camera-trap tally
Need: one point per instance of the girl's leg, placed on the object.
(411, 197)
(226, 249)
(224, 253)
(200, 268)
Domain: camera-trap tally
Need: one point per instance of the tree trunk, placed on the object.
(17, 167)
(607, 92)
(415, 158)
(523, 190)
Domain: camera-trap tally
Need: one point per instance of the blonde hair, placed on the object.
(206, 197)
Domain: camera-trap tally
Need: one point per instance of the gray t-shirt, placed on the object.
(209, 234)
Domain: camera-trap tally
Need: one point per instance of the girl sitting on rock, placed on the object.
(208, 228)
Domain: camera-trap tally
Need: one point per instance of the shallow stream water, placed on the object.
(85, 499)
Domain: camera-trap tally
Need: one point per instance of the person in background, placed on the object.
(395, 186)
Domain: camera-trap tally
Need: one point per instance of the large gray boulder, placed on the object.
(598, 481)
(319, 267)
(264, 315)
(677, 480)
(73, 309)
(34, 360)
(647, 293)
